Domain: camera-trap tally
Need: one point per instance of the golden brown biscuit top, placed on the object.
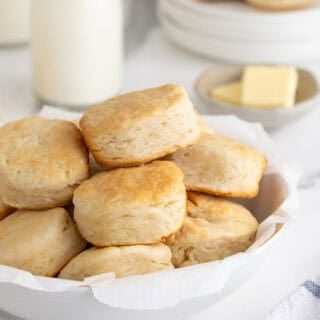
(138, 185)
(210, 216)
(213, 145)
(122, 111)
(22, 222)
(155, 251)
(38, 151)
(210, 141)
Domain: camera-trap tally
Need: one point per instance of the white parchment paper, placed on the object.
(275, 205)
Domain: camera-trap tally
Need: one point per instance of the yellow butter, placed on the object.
(269, 87)
(229, 93)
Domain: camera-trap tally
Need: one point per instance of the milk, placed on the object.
(14, 22)
(76, 50)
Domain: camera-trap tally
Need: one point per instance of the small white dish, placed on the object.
(307, 97)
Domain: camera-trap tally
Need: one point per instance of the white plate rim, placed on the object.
(261, 32)
(228, 51)
(244, 12)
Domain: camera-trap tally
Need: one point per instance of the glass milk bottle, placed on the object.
(76, 48)
(14, 22)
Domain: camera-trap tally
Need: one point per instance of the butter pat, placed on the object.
(269, 87)
(229, 93)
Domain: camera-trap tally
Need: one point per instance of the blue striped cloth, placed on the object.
(313, 288)
(302, 304)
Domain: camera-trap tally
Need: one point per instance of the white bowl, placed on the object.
(27, 297)
(80, 304)
(307, 97)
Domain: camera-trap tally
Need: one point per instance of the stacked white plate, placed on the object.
(237, 32)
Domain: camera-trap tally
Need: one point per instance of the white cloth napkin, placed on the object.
(302, 304)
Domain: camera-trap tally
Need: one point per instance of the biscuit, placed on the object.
(214, 229)
(41, 162)
(279, 5)
(41, 242)
(123, 261)
(220, 166)
(5, 210)
(139, 205)
(140, 126)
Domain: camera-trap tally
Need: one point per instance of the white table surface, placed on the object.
(156, 61)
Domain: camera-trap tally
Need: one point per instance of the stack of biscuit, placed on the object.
(149, 184)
